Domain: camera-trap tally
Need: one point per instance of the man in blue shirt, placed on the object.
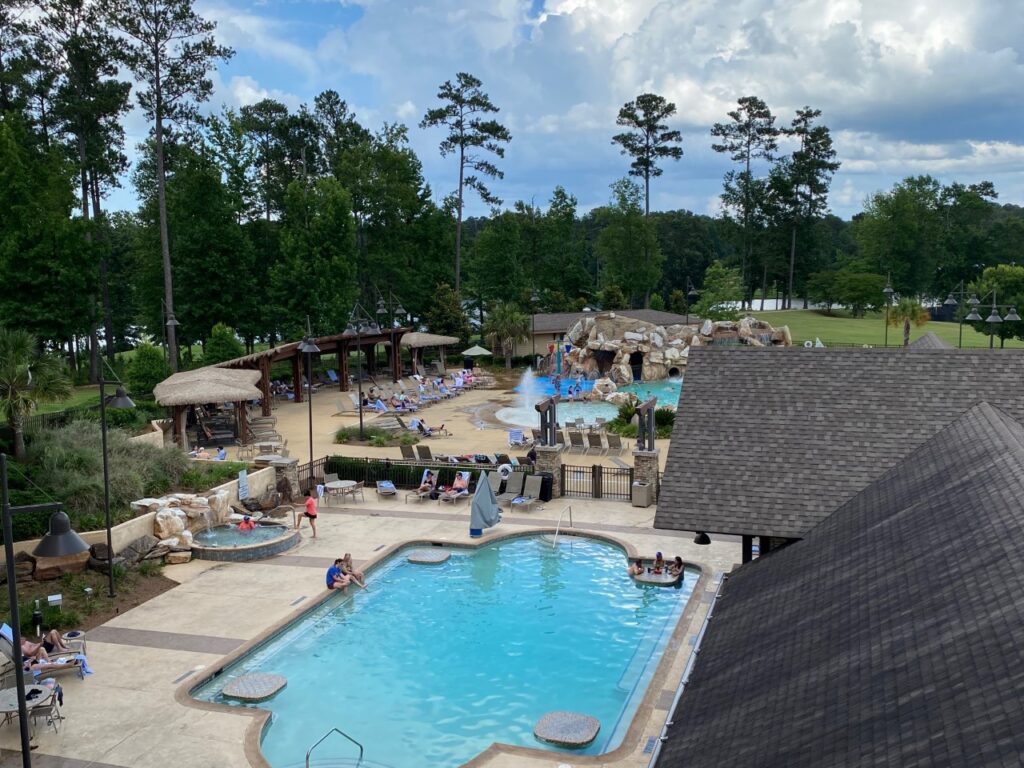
(336, 578)
(222, 455)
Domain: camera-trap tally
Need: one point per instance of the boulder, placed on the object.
(707, 328)
(218, 502)
(137, 549)
(173, 542)
(99, 551)
(696, 342)
(49, 568)
(177, 558)
(142, 506)
(631, 336)
(604, 387)
(672, 353)
(657, 340)
(168, 523)
(575, 334)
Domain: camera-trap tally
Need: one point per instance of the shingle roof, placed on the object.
(769, 441)
(559, 322)
(930, 341)
(889, 636)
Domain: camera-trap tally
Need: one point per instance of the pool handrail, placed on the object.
(342, 733)
(568, 508)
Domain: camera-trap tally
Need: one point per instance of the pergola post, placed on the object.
(343, 366)
(396, 358)
(371, 358)
(297, 377)
(242, 420)
(266, 402)
(178, 429)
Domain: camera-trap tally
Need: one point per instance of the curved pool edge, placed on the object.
(260, 718)
(246, 553)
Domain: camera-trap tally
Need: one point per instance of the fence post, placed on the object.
(595, 480)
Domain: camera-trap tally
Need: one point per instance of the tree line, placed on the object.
(259, 217)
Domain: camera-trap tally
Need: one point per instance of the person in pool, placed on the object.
(676, 567)
(247, 524)
(336, 577)
(636, 568)
(659, 564)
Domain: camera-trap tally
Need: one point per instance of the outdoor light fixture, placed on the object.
(702, 539)
(60, 540)
(308, 347)
(1012, 316)
(359, 323)
(691, 298)
(888, 291)
(121, 401)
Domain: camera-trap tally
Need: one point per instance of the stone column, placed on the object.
(645, 468)
(288, 470)
(549, 459)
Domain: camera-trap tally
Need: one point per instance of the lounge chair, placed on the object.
(419, 495)
(536, 435)
(386, 488)
(576, 441)
(424, 431)
(340, 407)
(423, 451)
(503, 458)
(594, 442)
(530, 494)
(513, 487)
(407, 452)
(517, 439)
(333, 376)
(614, 442)
(455, 496)
(494, 480)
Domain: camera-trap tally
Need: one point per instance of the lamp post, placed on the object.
(169, 321)
(120, 400)
(534, 300)
(358, 324)
(391, 313)
(59, 541)
(972, 302)
(308, 347)
(691, 298)
(993, 318)
(888, 291)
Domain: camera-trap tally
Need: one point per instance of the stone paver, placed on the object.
(567, 729)
(429, 556)
(255, 686)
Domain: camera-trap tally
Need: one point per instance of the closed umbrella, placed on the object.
(484, 510)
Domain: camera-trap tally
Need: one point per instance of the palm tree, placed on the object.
(505, 325)
(908, 311)
(27, 377)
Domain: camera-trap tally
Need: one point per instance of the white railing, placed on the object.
(558, 527)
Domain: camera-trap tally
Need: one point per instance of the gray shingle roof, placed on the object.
(930, 341)
(889, 636)
(769, 441)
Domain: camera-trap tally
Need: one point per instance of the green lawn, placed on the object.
(840, 328)
(80, 396)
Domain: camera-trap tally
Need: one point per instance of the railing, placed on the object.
(340, 733)
(558, 527)
(404, 474)
(597, 481)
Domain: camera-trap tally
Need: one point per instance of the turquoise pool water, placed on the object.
(229, 535)
(667, 390)
(432, 664)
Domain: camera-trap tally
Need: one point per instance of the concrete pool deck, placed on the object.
(128, 714)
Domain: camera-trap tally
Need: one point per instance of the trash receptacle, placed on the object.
(642, 495)
(547, 481)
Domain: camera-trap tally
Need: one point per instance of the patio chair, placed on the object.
(594, 442)
(536, 434)
(601, 423)
(494, 480)
(530, 494)
(503, 458)
(355, 490)
(244, 451)
(333, 376)
(424, 431)
(419, 495)
(49, 711)
(513, 487)
(454, 496)
(386, 488)
(407, 452)
(423, 451)
(614, 442)
(517, 439)
(576, 441)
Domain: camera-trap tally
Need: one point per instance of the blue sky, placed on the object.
(907, 87)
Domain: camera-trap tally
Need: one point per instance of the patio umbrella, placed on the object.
(475, 351)
(484, 509)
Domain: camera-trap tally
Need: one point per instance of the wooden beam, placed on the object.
(266, 400)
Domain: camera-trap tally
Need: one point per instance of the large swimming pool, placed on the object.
(432, 664)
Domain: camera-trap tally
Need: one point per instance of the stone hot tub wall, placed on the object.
(596, 340)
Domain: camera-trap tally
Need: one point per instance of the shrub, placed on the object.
(379, 441)
(147, 369)
(664, 417)
(222, 345)
(351, 434)
(202, 476)
(150, 568)
(627, 410)
(408, 438)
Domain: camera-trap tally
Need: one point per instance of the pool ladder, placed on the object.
(558, 526)
(340, 733)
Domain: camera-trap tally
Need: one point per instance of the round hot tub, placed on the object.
(227, 542)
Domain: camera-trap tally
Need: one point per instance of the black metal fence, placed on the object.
(597, 481)
(404, 474)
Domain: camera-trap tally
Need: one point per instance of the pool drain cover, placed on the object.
(567, 729)
(428, 556)
(257, 686)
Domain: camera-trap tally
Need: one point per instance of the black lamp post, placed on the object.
(59, 541)
(972, 302)
(691, 298)
(359, 323)
(993, 318)
(391, 314)
(119, 401)
(888, 291)
(308, 347)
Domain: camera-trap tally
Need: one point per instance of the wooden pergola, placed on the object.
(183, 390)
(338, 344)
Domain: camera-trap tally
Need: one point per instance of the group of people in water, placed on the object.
(659, 567)
(343, 573)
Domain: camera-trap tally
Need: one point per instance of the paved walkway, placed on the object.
(126, 715)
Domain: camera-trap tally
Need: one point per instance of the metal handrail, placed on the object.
(342, 733)
(559, 524)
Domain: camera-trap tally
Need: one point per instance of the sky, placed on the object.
(907, 87)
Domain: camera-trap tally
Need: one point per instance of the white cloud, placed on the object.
(260, 35)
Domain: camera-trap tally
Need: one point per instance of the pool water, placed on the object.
(230, 536)
(432, 664)
(666, 390)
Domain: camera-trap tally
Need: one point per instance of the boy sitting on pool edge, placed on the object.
(336, 578)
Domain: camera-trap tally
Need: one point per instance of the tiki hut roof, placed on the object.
(417, 340)
(208, 385)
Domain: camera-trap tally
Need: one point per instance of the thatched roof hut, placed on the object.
(418, 340)
(207, 385)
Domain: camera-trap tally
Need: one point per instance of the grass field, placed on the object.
(80, 396)
(840, 328)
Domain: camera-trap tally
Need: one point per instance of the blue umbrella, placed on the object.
(484, 509)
